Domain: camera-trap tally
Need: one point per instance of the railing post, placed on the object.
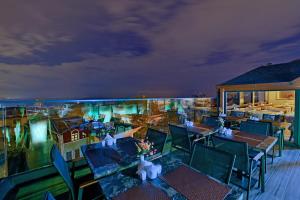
(297, 118)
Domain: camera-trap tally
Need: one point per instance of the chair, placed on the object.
(210, 121)
(256, 127)
(213, 162)
(8, 189)
(244, 164)
(274, 131)
(49, 196)
(260, 128)
(180, 138)
(157, 138)
(237, 114)
(271, 117)
(63, 169)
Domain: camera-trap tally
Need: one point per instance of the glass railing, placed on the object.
(30, 128)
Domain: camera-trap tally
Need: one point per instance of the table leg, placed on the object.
(262, 174)
(265, 161)
(280, 143)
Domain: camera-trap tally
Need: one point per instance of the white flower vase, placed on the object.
(221, 130)
(142, 158)
(228, 132)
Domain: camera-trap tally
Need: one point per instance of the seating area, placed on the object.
(218, 157)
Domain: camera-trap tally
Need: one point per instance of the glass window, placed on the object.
(233, 98)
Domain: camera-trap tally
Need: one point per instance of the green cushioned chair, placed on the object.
(180, 138)
(256, 127)
(213, 162)
(210, 121)
(244, 164)
(76, 190)
(259, 128)
(157, 138)
(49, 196)
(237, 114)
(271, 117)
(8, 190)
(273, 131)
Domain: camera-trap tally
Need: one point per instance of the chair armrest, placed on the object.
(87, 183)
(192, 133)
(279, 132)
(258, 156)
(84, 185)
(198, 139)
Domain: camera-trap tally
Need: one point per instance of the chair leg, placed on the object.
(249, 185)
(262, 175)
(273, 154)
(80, 193)
(265, 160)
(259, 179)
(280, 145)
(282, 142)
(249, 181)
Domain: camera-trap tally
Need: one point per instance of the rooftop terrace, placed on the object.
(78, 129)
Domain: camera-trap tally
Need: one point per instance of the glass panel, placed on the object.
(3, 162)
(259, 97)
(247, 98)
(233, 100)
(29, 129)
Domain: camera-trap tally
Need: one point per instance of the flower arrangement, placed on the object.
(221, 122)
(145, 148)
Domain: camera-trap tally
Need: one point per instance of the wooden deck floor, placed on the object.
(282, 178)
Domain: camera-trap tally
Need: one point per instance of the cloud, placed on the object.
(104, 44)
(74, 49)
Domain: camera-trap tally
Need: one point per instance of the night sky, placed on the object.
(129, 48)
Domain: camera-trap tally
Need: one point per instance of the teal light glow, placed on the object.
(38, 131)
(125, 109)
(22, 111)
(142, 108)
(170, 104)
(17, 131)
(7, 134)
(106, 111)
(180, 108)
(91, 112)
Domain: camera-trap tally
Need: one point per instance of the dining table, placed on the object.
(257, 142)
(278, 131)
(197, 130)
(235, 119)
(176, 181)
(202, 129)
(104, 160)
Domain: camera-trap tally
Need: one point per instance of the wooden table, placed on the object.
(194, 185)
(177, 181)
(235, 119)
(197, 129)
(202, 129)
(257, 142)
(278, 130)
(104, 161)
